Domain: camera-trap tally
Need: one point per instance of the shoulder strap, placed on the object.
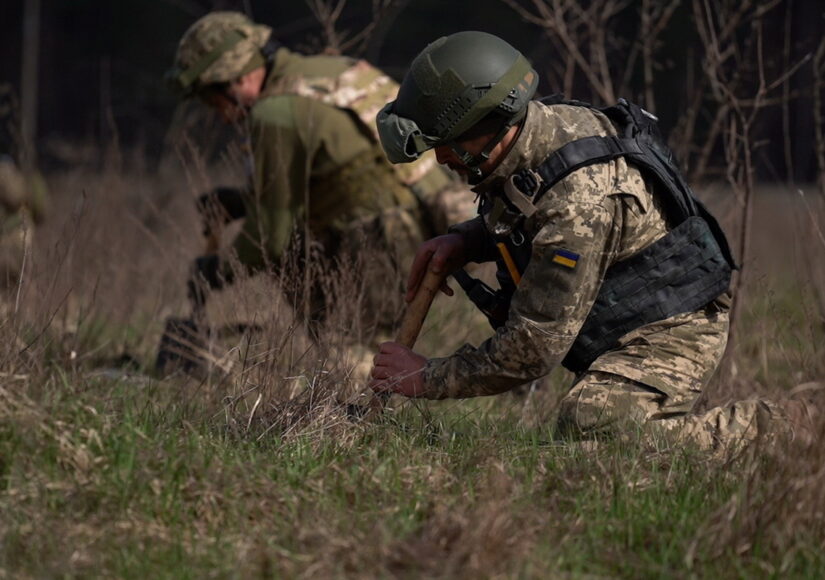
(640, 142)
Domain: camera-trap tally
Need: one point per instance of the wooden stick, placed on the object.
(411, 325)
(417, 310)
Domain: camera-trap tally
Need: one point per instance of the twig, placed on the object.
(819, 127)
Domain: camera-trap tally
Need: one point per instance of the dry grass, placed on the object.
(257, 472)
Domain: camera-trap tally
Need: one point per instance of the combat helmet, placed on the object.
(454, 83)
(219, 48)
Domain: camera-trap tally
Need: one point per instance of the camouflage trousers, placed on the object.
(606, 404)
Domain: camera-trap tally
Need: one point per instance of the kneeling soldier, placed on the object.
(316, 165)
(607, 263)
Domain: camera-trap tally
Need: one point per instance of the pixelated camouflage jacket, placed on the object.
(314, 158)
(602, 213)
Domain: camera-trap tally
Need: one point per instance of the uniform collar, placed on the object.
(274, 78)
(527, 151)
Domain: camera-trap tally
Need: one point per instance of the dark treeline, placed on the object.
(102, 63)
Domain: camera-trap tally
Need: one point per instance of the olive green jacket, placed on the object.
(316, 166)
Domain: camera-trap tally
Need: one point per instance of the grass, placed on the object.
(258, 474)
(110, 479)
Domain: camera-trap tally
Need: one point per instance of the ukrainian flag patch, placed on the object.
(566, 258)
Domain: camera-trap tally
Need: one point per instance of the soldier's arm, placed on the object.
(279, 183)
(571, 252)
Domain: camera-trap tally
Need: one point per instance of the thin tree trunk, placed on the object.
(819, 126)
(786, 97)
(29, 83)
(379, 34)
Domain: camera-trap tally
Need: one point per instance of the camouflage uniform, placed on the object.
(315, 160)
(316, 163)
(604, 213)
(316, 166)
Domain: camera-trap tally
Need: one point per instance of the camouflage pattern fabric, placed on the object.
(607, 404)
(600, 214)
(210, 32)
(363, 89)
(319, 179)
(316, 163)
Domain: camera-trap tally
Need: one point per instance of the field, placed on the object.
(107, 470)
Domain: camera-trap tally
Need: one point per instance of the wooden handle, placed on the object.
(411, 325)
(417, 309)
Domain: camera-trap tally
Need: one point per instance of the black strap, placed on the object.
(492, 304)
(580, 153)
(646, 152)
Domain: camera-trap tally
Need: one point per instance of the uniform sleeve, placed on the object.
(279, 180)
(571, 252)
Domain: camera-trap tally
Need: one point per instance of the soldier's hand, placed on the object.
(397, 369)
(442, 255)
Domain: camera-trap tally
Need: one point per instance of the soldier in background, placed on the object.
(315, 162)
(22, 194)
(616, 273)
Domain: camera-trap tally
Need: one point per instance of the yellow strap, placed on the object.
(508, 261)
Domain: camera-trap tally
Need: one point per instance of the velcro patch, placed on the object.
(566, 258)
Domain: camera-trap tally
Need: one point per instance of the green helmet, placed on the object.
(218, 48)
(454, 83)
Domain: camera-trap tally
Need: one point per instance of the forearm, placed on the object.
(517, 354)
(547, 311)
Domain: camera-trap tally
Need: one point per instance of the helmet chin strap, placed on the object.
(473, 162)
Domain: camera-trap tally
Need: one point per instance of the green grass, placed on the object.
(112, 479)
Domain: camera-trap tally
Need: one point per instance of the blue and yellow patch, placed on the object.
(566, 258)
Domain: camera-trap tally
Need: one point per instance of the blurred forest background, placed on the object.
(100, 64)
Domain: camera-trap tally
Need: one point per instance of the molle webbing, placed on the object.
(679, 273)
(641, 144)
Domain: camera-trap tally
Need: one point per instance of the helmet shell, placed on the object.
(450, 77)
(223, 44)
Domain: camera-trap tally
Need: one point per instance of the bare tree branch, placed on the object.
(582, 33)
(328, 13)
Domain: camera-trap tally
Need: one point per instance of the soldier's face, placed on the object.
(246, 90)
(445, 154)
(233, 100)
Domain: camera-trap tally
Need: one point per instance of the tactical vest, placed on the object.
(681, 272)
